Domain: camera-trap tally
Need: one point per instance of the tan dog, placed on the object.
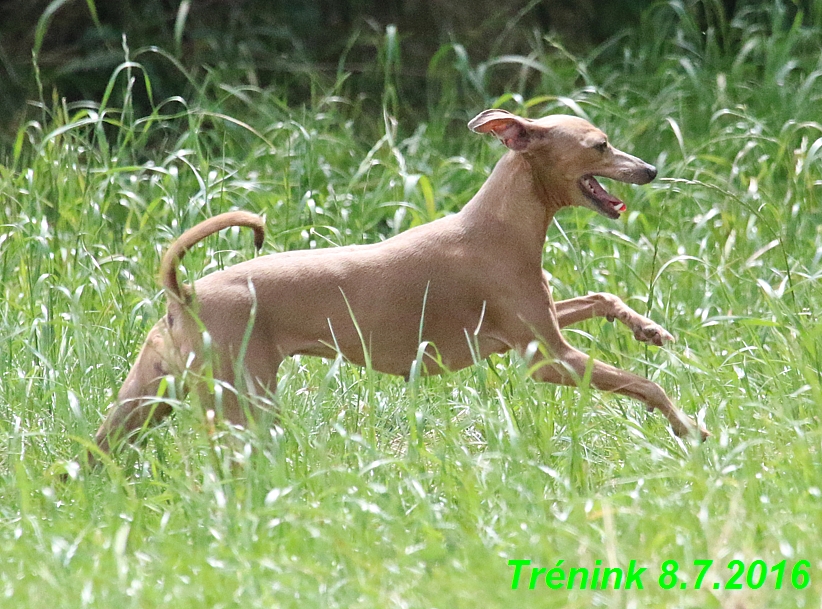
(469, 284)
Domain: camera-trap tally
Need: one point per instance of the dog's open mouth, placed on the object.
(603, 201)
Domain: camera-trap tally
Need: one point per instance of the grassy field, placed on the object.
(374, 492)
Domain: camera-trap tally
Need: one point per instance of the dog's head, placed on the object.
(567, 153)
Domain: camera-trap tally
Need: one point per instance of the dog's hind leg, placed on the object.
(243, 401)
(137, 405)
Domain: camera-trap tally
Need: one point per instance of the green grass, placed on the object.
(371, 492)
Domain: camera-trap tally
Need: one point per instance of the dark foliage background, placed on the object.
(292, 45)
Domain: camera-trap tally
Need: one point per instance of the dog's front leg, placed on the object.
(562, 364)
(571, 365)
(606, 305)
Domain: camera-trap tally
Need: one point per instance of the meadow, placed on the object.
(371, 491)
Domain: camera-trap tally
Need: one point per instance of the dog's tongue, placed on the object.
(604, 196)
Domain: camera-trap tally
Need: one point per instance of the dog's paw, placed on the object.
(652, 333)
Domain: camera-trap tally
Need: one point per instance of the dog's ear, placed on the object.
(513, 131)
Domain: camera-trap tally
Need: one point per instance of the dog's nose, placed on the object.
(651, 171)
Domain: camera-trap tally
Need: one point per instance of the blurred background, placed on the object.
(303, 45)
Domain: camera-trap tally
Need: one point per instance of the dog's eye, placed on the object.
(601, 146)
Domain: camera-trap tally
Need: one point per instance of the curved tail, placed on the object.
(175, 253)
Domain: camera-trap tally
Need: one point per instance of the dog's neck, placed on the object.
(514, 196)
